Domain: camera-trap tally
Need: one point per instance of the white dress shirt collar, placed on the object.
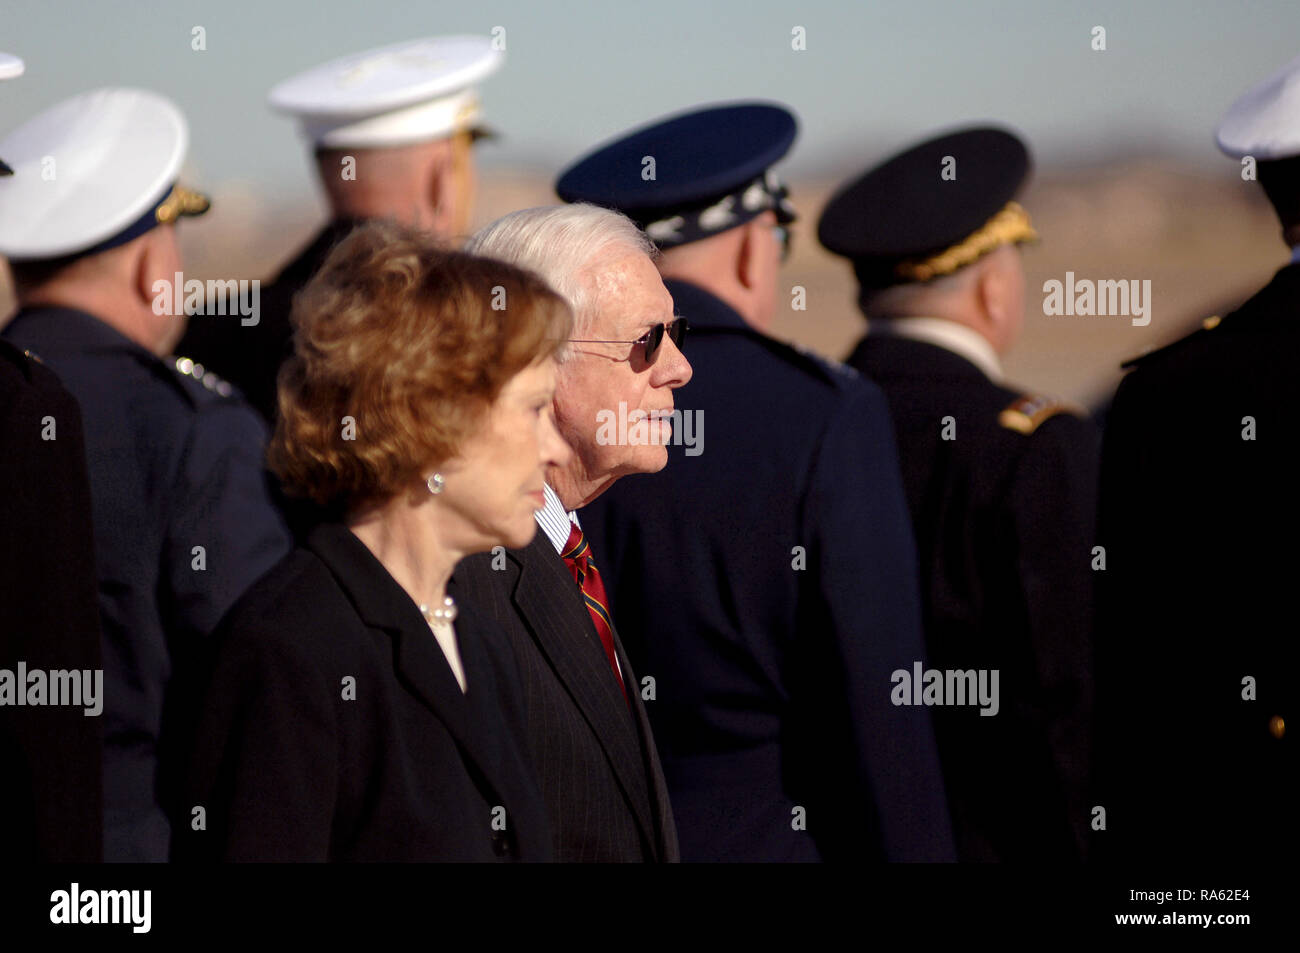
(554, 521)
(949, 335)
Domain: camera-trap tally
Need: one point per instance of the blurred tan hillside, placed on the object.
(1205, 243)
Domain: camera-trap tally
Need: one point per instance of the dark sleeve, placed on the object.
(879, 768)
(50, 756)
(1054, 507)
(222, 503)
(265, 758)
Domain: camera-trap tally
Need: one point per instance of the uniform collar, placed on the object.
(949, 335)
(702, 309)
(61, 329)
(554, 521)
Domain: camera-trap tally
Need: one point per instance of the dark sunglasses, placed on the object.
(674, 329)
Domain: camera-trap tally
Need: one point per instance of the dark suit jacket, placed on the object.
(1005, 524)
(290, 768)
(1200, 517)
(773, 681)
(601, 779)
(51, 801)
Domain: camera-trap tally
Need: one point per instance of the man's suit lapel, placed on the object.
(666, 842)
(548, 600)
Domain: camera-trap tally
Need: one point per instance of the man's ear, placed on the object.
(440, 189)
(448, 187)
(156, 260)
(993, 288)
(747, 259)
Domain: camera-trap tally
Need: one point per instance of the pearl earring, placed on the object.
(435, 483)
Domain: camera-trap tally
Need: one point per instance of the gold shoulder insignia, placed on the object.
(1026, 414)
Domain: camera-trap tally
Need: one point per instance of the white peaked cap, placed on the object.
(394, 95)
(86, 170)
(1265, 121)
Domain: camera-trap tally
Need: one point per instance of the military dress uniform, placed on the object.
(1001, 485)
(174, 465)
(409, 92)
(768, 583)
(182, 516)
(1197, 673)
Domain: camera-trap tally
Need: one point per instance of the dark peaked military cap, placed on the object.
(931, 209)
(711, 171)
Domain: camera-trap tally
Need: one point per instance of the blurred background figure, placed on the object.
(51, 801)
(766, 579)
(1197, 668)
(393, 130)
(1001, 483)
(182, 516)
(353, 712)
(587, 726)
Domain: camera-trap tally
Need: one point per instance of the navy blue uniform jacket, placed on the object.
(769, 586)
(173, 466)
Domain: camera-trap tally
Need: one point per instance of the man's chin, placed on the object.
(650, 459)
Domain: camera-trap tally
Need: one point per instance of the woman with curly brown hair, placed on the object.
(351, 713)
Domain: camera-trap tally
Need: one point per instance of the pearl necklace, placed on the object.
(441, 615)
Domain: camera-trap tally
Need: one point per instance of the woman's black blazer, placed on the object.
(332, 728)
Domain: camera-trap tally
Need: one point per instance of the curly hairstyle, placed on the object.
(400, 349)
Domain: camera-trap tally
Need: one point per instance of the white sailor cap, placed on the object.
(93, 172)
(1265, 121)
(10, 66)
(395, 95)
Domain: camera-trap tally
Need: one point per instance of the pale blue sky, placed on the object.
(874, 74)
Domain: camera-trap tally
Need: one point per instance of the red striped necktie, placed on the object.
(578, 555)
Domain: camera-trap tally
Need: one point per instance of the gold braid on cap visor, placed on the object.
(1007, 226)
(181, 201)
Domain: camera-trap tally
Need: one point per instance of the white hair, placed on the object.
(559, 242)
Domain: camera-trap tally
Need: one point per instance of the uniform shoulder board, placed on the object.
(188, 368)
(1027, 413)
(1209, 324)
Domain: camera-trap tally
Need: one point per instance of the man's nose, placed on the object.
(671, 369)
(556, 451)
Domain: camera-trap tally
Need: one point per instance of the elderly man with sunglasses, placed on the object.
(766, 579)
(583, 707)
